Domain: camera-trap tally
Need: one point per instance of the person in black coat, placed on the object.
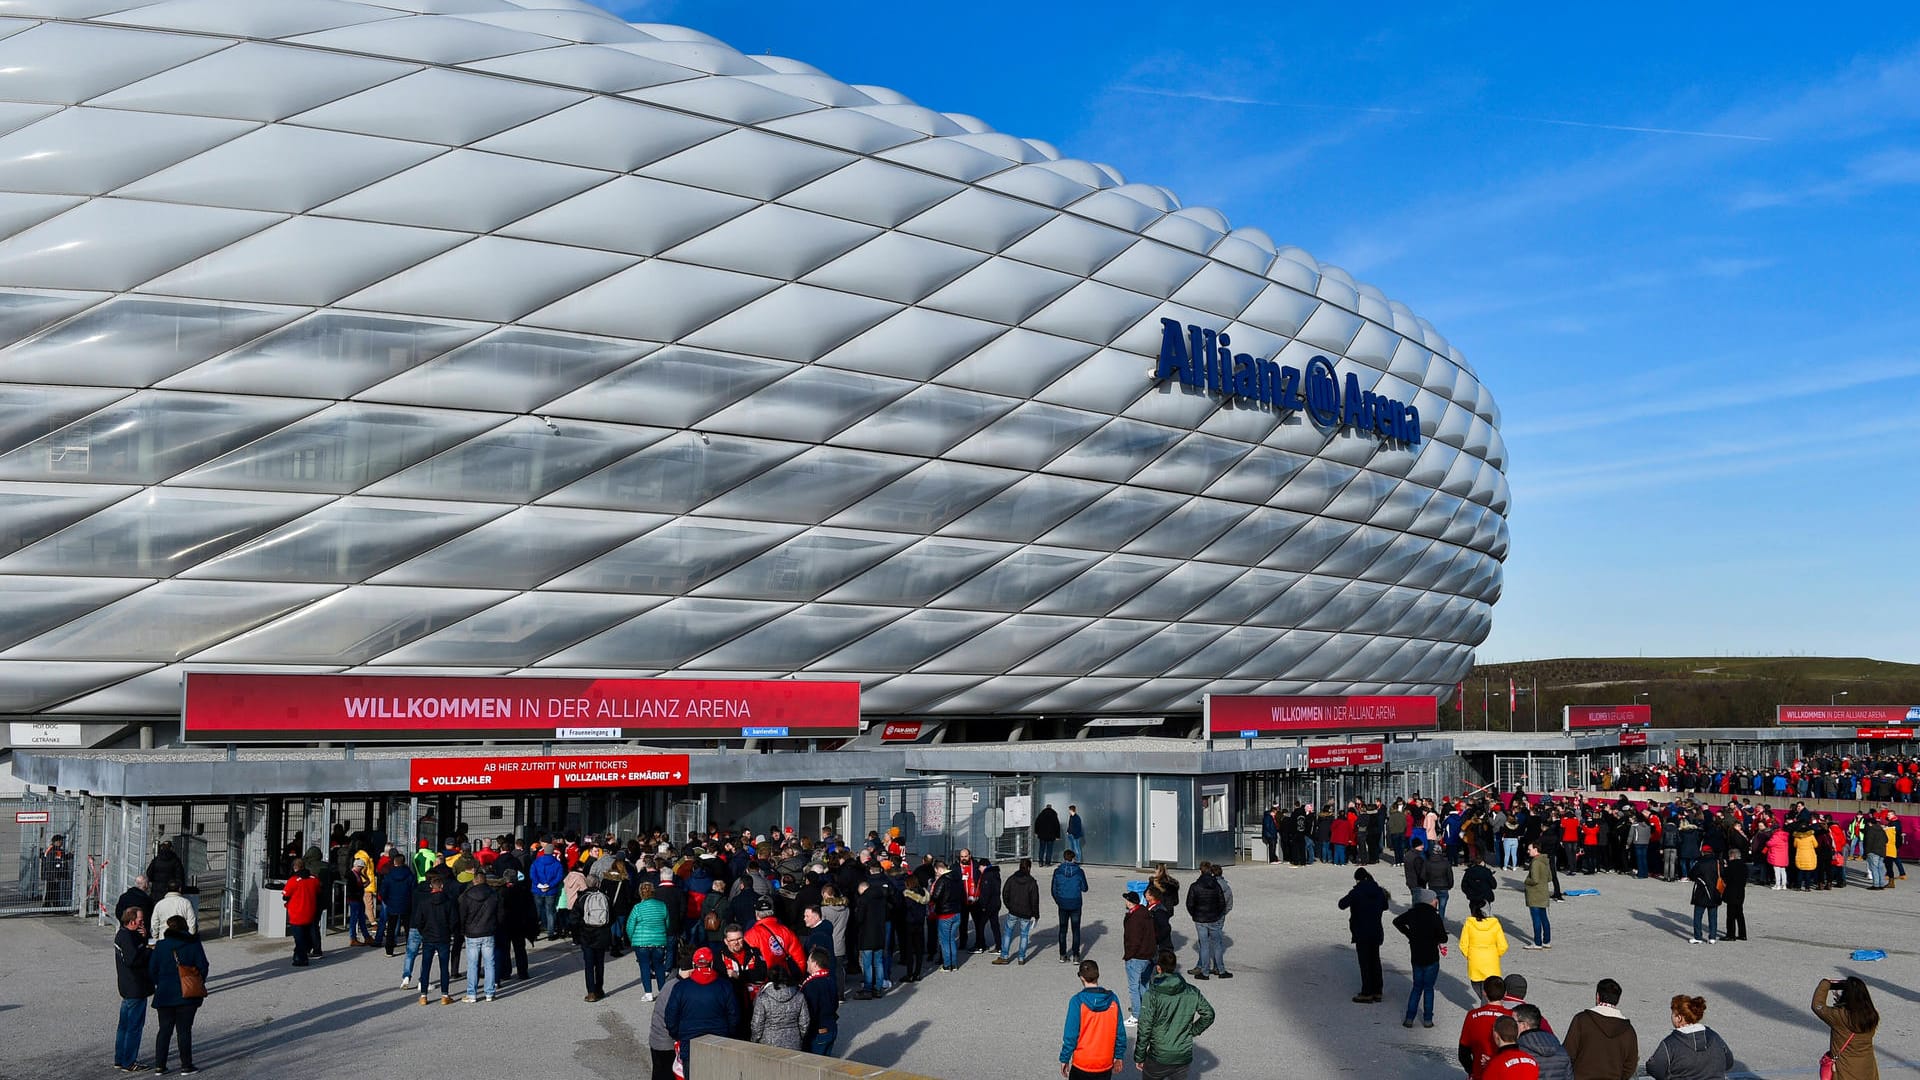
(873, 916)
(1364, 904)
(1046, 830)
(986, 911)
(136, 896)
(166, 872)
(130, 956)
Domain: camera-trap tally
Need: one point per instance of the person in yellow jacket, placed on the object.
(1896, 870)
(1483, 943)
(1806, 857)
(369, 897)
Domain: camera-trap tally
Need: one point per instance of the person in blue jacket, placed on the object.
(546, 874)
(178, 946)
(703, 1005)
(1069, 887)
(1076, 832)
(396, 893)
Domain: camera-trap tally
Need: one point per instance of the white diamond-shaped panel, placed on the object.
(506, 336)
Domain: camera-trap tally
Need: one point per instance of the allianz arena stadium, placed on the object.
(490, 337)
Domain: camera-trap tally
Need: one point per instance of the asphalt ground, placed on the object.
(1286, 1014)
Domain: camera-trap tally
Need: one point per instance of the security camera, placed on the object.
(551, 426)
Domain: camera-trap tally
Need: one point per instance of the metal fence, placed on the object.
(1534, 774)
(37, 875)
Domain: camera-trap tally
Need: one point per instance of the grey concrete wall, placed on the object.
(715, 1058)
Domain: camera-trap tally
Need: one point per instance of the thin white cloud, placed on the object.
(1683, 465)
(1756, 391)
(1375, 110)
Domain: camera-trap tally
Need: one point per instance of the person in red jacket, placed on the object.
(1509, 1062)
(1476, 1031)
(777, 945)
(302, 897)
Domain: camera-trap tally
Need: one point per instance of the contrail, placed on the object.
(1232, 99)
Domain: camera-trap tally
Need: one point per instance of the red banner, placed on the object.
(1347, 755)
(468, 774)
(1588, 717)
(1883, 733)
(1847, 715)
(222, 707)
(1247, 716)
(1633, 737)
(900, 731)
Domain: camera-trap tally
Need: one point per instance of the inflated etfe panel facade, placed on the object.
(465, 336)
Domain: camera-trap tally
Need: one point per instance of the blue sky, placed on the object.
(1681, 245)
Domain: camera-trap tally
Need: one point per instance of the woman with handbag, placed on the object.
(1851, 1019)
(179, 971)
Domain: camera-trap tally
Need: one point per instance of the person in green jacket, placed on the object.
(647, 933)
(1172, 1014)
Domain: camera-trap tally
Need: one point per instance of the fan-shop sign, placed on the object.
(1848, 715)
(901, 731)
(1346, 755)
(1595, 717)
(1249, 716)
(223, 707)
(467, 774)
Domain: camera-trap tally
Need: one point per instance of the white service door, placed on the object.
(1163, 826)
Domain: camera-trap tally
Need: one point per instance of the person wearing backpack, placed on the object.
(593, 932)
(176, 997)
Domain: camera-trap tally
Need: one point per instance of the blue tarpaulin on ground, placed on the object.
(1869, 954)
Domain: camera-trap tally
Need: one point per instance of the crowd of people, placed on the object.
(764, 936)
(1853, 778)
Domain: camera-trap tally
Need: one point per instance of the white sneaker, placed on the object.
(1693, 941)
(1133, 1021)
(470, 999)
(648, 996)
(489, 997)
(406, 984)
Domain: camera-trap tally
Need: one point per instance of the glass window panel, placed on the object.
(1384, 613)
(797, 638)
(170, 621)
(341, 449)
(149, 437)
(813, 486)
(902, 645)
(674, 558)
(33, 512)
(807, 565)
(1313, 487)
(1089, 648)
(521, 549)
(1118, 517)
(669, 635)
(922, 572)
(1363, 496)
(523, 630)
(37, 604)
(1186, 586)
(31, 412)
(158, 532)
(1019, 580)
(682, 471)
(1029, 508)
(1029, 436)
(354, 626)
(1401, 507)
(1257, 476)
(1004, 645)
(1183, 533)
(1116, 451)
(509, 371)
(32, 685)
(928, 497)
(675, 387)
(349, 540)
(22, 313)
(1158, 654)
(137, 341)
(1102, 588)
(927, 421)
(810, 404)
(521, 460)
(1284, 657)
(329, 355)
(1298, 603)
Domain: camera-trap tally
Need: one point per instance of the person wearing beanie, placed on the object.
(1365, 904)
(703, 1005)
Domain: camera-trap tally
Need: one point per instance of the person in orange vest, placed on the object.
(302, 897)
(1094, 1044)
